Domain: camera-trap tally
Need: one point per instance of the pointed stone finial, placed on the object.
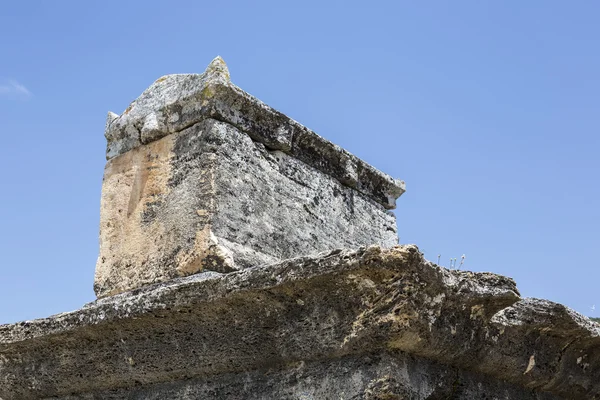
(109, 120)
(218, 69)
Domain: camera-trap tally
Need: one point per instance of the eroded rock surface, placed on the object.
(372, 321)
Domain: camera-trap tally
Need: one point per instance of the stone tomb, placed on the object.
(201, 176)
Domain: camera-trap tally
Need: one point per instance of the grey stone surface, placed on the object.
(386, 375)
(211, 198)
(308, 327)
(202, 176)
(175, 102)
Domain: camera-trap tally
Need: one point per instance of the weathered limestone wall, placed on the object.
(202, 176)
(387, 375)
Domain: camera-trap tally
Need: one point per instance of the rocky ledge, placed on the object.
(367, 324)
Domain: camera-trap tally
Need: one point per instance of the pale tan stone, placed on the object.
(131, 248)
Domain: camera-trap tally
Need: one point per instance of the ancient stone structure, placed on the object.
(245, 257)
(202, 176)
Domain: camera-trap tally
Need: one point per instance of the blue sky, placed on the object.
(488, 110)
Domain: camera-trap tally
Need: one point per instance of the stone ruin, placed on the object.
(202, 176)
(243, 256)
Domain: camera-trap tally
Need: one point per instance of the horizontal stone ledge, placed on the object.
(380, 375)
(175, 102)
(304, 310)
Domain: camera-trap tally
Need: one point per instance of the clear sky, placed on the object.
(490, 111)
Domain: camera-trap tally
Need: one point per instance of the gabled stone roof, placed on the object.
(175, 102)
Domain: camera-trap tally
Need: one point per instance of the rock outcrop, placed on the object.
(357, 324)
(245, 257)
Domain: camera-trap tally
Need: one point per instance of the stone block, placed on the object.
(211, 198)
(202, 176)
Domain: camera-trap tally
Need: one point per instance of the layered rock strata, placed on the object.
(203, 176)
(368, 324)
